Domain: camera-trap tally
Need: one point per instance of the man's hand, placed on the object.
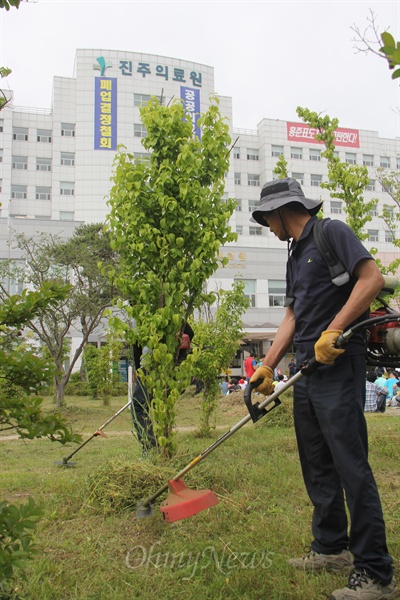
(267, 375)
(325, 351)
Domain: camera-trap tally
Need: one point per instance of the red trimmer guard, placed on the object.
(182, 503)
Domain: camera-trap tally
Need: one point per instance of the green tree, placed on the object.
(346, 182)
(218, 335)
(99, 366)
(75, 261)
(22, 374)
(281, 169)
(168, 219)
(4, 72)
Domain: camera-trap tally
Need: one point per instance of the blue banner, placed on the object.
(191, 102)
(105, 113)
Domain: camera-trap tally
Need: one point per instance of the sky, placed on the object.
(270, 57)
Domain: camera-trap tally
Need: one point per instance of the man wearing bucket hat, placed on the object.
(329, 404)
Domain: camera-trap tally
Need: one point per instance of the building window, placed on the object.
(253, 204)
(238, 179)
(67, 188)
(43, 193)
(249, 290)
(236, 152)
(68, 129)
(336, 154)
(238, 207)
(336, 207)
(67, 159)
(373, 235)
(254, 230)
(20, 134)
(19, 191)
(66, 215)
(239, 229)
(371, 185)
(276, 150)
(253, 180)
(20, 162)
(374, 211)
(296, 152)
(1, 125)
(140, 99)
(1, 155)
(385, 162)
(351, 158)
(276, 292)
(43, 135)
(389, 237)
(1, 185)
(43, 164)
(139, 130)
(368, 160)
(252, 154)
(398, 164)
(299, 177)
(316, 180)
(315, 154)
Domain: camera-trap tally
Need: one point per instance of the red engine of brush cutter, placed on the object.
(383, 341)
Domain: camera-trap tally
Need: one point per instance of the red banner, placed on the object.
(299, 132)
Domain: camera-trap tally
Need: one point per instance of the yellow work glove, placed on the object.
(267, 376)
(325, 351)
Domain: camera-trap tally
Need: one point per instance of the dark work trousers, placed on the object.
(140, 409)
(333, 447)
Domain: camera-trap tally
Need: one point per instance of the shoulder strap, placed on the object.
(337, 271)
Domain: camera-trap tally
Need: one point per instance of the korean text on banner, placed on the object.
(299, 132)
(191, 103)
(105, 113)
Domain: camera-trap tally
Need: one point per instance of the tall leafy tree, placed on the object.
(168, 219)
(218, 333)
(76, 262)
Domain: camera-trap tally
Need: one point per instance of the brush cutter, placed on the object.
(65, 461)
(182, 502)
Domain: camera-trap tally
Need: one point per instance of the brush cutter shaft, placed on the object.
(66, 459)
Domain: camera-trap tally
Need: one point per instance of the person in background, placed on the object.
(141, 397)
(375, 397)
(292, 368)
(390, 383)
(250, 365)
(224, 386)
(329, 415)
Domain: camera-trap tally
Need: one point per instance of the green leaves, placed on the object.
(168, 220)
(391, 51)
(16, 541)
(8, 3)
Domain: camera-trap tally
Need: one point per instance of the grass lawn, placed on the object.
(92, 546)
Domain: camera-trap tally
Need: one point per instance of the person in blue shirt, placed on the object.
(329, 404)
(390, 383)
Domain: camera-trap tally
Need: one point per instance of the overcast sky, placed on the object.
(269, 56)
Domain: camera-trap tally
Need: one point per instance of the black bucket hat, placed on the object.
(275, 194)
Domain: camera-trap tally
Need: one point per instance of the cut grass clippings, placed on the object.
(91, 545)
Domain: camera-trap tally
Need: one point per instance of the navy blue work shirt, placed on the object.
(316, 300)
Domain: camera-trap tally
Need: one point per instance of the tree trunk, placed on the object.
(59, 392)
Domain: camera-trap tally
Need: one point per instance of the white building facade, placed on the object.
(56, 164)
